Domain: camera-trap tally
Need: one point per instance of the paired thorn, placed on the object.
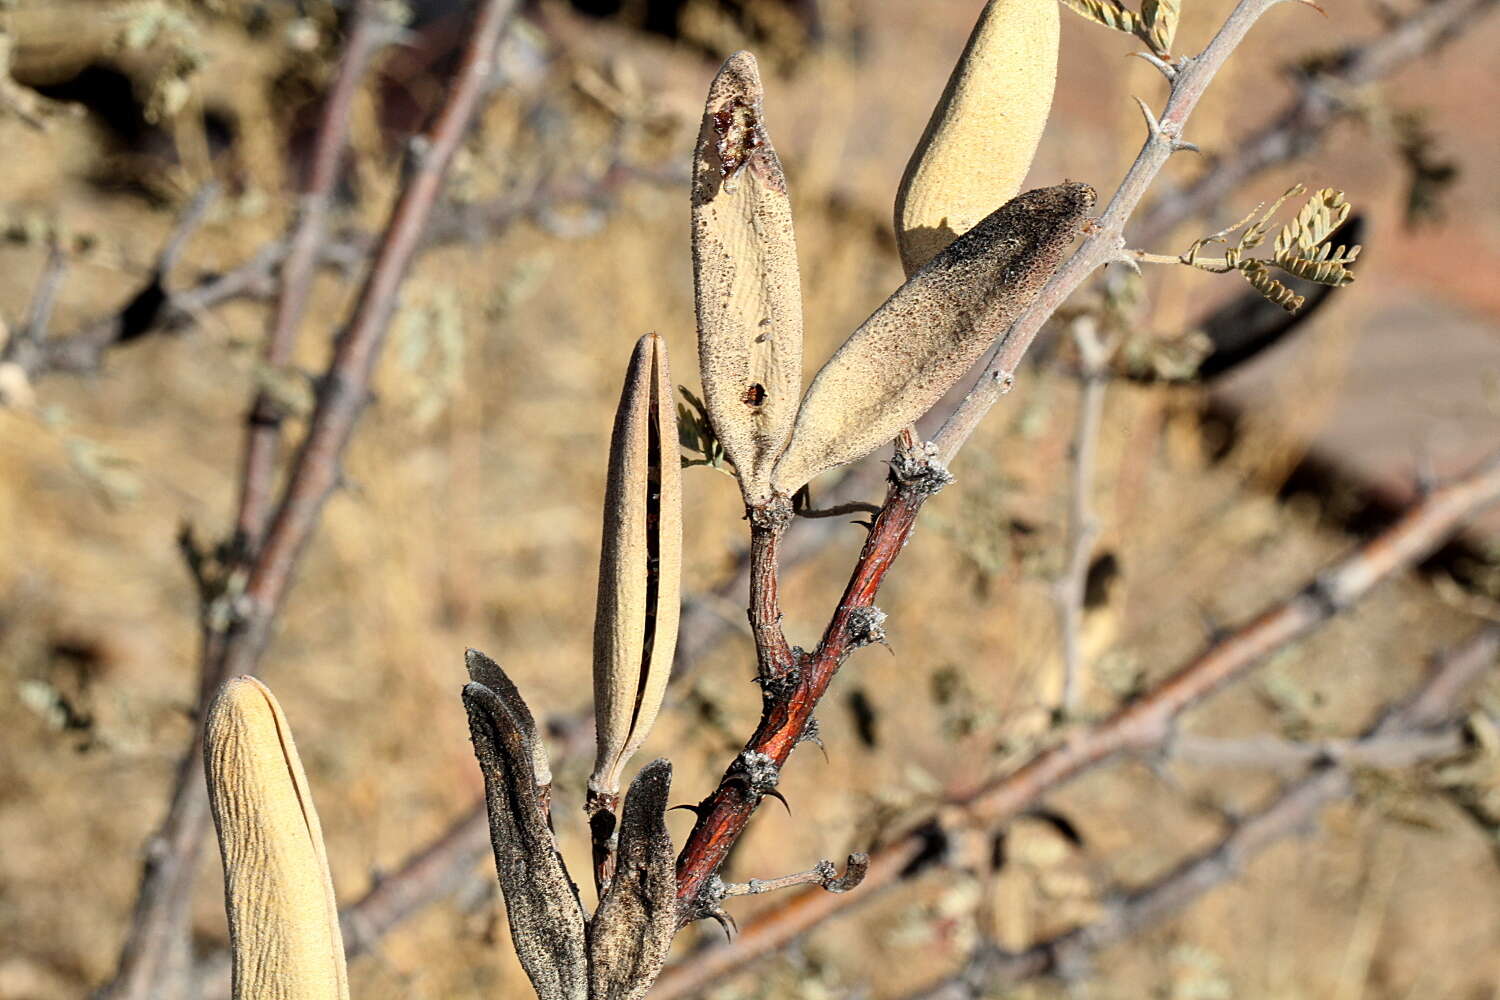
(1159, 132)
(725, 921)
(696, 808)
(774, 794)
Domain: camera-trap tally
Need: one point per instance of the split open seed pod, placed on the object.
(283, 921)
(640, 566)
(931, 331)
(749, 293)
(636, 920)
(984, 131)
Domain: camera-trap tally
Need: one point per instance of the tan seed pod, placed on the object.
(640, 565)
(283, 920)
(984, 131)
(927, 335)
(749, 294)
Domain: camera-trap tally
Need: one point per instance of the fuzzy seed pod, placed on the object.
(633, 928)
(984, 131)
(749, 294)
(640, 566)
(283, 921)
(926, 336)
(541, 904)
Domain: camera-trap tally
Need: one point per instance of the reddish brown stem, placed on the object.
(790, 696)
(768, 526)
(1142, 726)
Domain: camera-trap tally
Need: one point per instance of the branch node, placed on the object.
(811, 734)
(758, 772)
(866, 625)
(918, 471)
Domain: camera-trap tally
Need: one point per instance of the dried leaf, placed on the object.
(1159, 19)
(1110, 13)
(637, 918)
(1324, 212)
(984, 131)
(749, 294)
(541, 902)
(640, 567)
(1327, 265)
(921, 341)
(283, 920)
(1259, 275)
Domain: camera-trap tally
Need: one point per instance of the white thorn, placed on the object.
(1152, 125)
(1167, 69)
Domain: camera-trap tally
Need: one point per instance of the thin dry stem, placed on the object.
(1424, 720)
(310, 231)
(153, 962)
(1083, 525)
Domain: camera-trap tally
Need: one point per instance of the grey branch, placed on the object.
(825, 874)
(1083, 526)
(1428, 712)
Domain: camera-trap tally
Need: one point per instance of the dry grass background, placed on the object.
(471, 518)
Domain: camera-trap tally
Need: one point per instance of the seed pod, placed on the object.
(921, 341)
(541, 903)
(749, 293)
(633, 928)
(984, 131)
(283, 920)
(640, 566)
(486, 671)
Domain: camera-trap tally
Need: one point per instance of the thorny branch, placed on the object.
(1275, 754)
(436, 869)
(1427, 714)
(237, 627)
(1294, 131)
(1190, 79)
(157, 308)
(1144, 726)
(1322, 98)
(83, 349)
(790, 695)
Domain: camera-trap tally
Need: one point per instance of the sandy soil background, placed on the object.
(471, 516)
